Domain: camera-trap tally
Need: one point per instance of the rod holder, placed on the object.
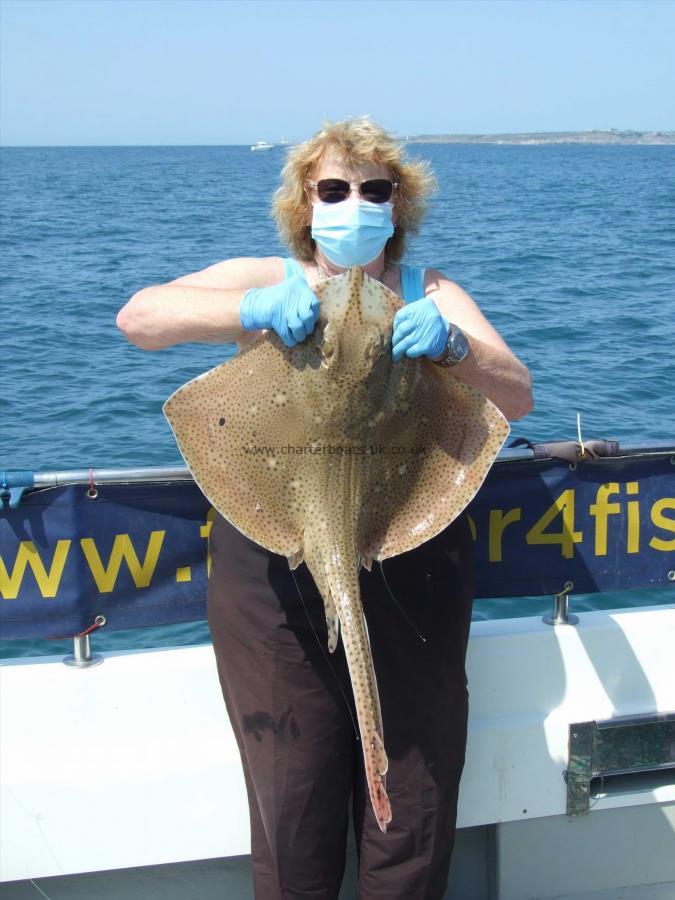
(561, 614)
(82, 657)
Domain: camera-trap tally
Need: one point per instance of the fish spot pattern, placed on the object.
(259, 434)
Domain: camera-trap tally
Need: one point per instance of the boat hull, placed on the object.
(133, 763)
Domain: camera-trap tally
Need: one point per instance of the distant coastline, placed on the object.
(613, 136)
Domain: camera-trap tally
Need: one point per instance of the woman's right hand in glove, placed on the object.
(290, 308)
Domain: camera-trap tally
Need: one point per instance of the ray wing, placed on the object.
(434, 458)
(233, 426)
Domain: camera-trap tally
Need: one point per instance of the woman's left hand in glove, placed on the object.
(419, 330)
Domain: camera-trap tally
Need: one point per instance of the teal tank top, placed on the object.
(412, 278)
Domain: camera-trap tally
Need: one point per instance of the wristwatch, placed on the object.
(456, 349)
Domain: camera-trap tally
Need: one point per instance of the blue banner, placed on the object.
(138, 553)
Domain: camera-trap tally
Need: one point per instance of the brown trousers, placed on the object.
(291, 708)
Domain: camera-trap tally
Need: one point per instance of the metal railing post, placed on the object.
(561, 614)
(82, 657)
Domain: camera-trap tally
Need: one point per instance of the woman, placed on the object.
(348, 197)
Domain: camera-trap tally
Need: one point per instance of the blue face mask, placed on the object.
(353, 232)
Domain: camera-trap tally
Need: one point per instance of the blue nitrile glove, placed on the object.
(419, 330)
(290, 308)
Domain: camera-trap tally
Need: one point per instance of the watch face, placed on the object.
(458, 344)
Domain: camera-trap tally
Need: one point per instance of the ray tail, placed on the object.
(335, 569)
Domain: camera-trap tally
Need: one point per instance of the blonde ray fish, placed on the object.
(331, 453)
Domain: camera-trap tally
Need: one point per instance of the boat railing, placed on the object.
(29, 479)
(129, 547)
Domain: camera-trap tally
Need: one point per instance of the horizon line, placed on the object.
(406, 138)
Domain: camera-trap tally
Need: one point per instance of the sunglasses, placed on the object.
(335, 190)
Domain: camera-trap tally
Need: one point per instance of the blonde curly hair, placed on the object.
(359, 140)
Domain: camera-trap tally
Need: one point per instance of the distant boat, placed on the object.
(261, 145)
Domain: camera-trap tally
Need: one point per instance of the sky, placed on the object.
(111, 72)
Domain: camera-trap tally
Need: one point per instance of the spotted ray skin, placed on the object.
(329, 452)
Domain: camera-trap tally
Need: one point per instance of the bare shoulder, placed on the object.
(460, 308)
(435, 280)
(240, 272)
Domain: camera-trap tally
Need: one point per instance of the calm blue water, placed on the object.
(570, 251)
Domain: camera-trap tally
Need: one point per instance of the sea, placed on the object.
(568, 249)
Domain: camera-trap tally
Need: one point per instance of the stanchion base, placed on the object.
(551, 620)
(94, 660)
